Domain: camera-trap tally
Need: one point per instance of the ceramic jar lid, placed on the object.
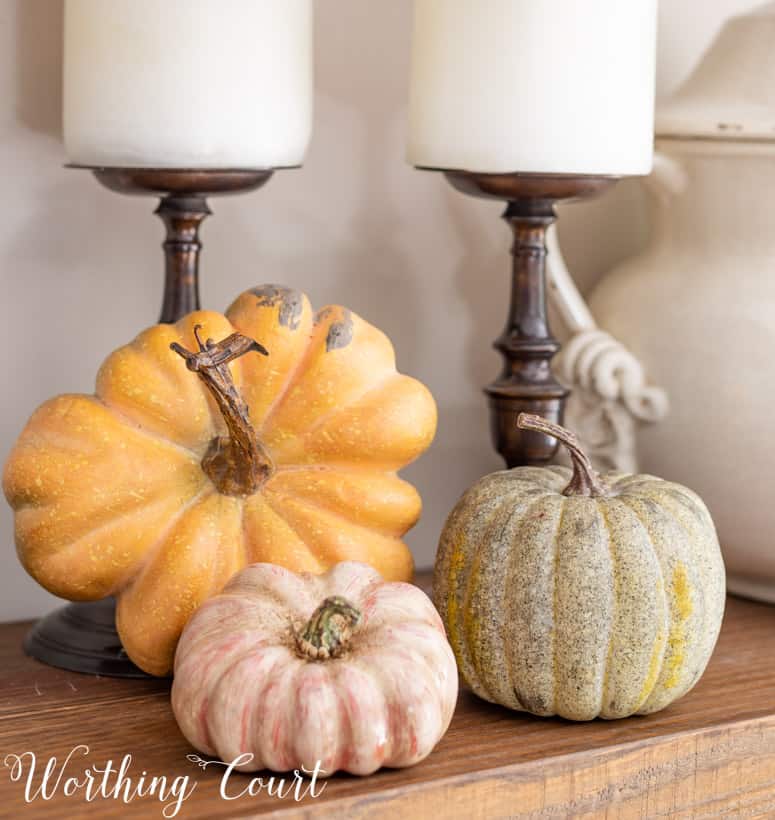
(730, 95)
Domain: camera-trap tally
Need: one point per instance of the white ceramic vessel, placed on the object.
(697, 308)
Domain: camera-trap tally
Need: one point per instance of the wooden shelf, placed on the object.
(711, 753)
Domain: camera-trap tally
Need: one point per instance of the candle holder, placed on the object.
(526, 383)
(82, 637)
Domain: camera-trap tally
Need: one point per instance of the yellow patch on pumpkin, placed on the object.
(471, 621)
(682, 609)
(457, 562)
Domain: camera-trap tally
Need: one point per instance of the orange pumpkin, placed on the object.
(163, 485)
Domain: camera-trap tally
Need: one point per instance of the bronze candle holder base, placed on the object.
(526, 383)
(82, 637)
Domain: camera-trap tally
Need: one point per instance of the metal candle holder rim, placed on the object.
(188, 182)
(180, 170)
(536, 174)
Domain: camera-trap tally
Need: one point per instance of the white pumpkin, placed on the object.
(342, 670)
(576, 594)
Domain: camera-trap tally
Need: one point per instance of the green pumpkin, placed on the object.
(569, 593)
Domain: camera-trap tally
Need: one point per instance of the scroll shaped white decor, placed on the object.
(610, 393)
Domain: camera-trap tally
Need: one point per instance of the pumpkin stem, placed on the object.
(238, 464)
(585, 480)
(327, 633)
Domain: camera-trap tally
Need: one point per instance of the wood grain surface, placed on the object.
(710, 755)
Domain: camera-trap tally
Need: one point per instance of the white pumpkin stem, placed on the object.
(240, 464)
(328, 631)
(585, 480)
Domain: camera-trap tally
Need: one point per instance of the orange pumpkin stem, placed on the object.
(327, 633)
(238, 464)
(585, 480)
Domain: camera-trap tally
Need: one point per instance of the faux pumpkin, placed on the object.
(162, 485)
(342, 670)
(570, 593)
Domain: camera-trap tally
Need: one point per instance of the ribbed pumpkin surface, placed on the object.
(580, 606)
(110, 492)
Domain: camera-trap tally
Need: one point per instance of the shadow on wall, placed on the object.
(384, 263)
(597, 234)
(39, 26)
(483, 277)
(68, 250)
(361, 77)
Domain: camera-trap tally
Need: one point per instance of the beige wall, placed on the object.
(81, 267)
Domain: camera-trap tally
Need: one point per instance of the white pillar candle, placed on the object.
(542, 86)
(188, 83)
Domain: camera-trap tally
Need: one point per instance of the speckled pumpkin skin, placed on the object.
(576, 606)
(110, 496)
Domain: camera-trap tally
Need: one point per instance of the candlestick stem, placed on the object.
(526, 383)
(182, 216)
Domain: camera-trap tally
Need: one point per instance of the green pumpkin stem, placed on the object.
(238, 464)
(327, 633)
(585, 479)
